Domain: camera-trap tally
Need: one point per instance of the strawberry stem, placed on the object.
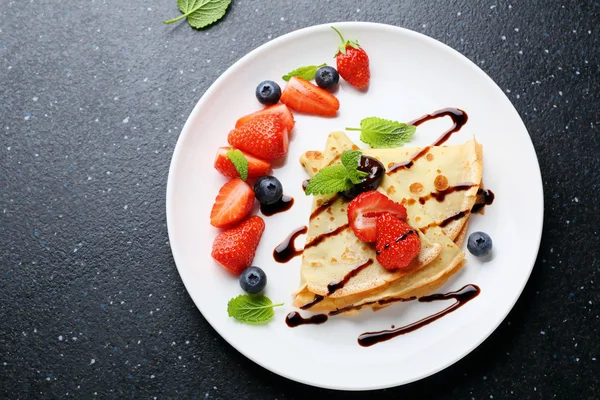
(353, 129)
(338, 32)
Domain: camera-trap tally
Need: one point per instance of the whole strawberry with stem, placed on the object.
(352, 63)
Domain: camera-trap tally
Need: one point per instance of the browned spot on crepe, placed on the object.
(416, 188)
(440, 183)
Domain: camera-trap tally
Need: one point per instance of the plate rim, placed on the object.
(185, 131)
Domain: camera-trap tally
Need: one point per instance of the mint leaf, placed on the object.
(330, 179)
(251, 308)
(350, 160)
(201, 13)
(384, 133)
(307, 72)
(239, 162)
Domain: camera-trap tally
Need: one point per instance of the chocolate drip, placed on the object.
(318, 239)
(294, 319)
(440, 195)
(333, 286)
(287, 249)
(462, 297)
(314, 301)
(459, 119)
(324, 206)
(283, 204)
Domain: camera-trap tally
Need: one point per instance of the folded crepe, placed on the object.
(340, 272)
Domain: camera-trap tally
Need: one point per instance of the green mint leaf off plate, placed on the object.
(252, 309)
(201, 13)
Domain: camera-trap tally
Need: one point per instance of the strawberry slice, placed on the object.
(264, 136)
(301, 95)
(397, 242)
(233, 203)
(256, 166)
(234, 249)
(364, 210)
(278, 109)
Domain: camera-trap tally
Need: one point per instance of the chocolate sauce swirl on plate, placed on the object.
(462, 297)
(287, 249)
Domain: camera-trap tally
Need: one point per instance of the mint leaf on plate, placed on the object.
(307, 72)
(350, 160)
(201, 13)
(384, 133)
(251, 309)
(239, 161)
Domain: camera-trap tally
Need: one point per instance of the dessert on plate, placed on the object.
(438, 187)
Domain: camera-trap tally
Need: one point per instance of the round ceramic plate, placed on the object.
(411, 75)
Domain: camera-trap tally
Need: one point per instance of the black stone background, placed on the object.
(93, 95)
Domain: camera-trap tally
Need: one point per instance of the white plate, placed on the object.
(411, 74)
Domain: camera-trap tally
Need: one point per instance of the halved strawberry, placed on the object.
(233, 203)
(234, 249)
(303, 96)
(264, 136)
(364, 210)
(256, 166)
(278, 109)
(397, 242)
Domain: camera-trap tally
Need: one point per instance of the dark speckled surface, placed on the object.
(92, 98)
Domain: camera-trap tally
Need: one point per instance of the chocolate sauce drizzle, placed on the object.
(485, 197)
(314, 301)
(318, 239)
(294, 319)
(324, 206)
(440, 195)
(287, 249)
(459, 119)
(462, 297)
(283, 204)
(333, 286)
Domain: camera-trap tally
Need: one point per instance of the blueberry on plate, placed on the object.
(268, 92)
(253, 280)
(268, 189)
(327, 77)
(479, 244)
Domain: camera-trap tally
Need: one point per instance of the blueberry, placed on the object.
(327, 77)
(253, 280)
(268, 189)
(479, 244)
(268, 92)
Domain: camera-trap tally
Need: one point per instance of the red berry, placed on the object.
(234, 249)
(264, 136)
(233, 203)
(301, 95)
(397, 242)
(256, 166)
(353, 63)
(278, 109)
(364, 210)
